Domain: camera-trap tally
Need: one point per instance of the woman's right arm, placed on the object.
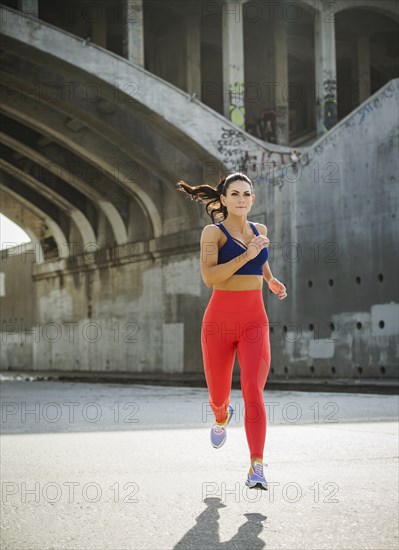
(212, 273)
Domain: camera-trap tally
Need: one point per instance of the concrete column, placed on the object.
(355, 75)
(318, 79)
(260, 108)
(281, 77)
(363, 55)
(99, 26)
(326, 73)
(233, 62)
(29, 7)
(310, 98)
(133, 31)
(193, 55)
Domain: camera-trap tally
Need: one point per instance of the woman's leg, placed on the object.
(253, 351)
(218, 351)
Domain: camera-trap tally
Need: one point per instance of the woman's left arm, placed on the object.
(274, 284)
(267, 274)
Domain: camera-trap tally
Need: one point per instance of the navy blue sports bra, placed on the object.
(231, 250)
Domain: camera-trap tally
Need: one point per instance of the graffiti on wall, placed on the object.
(282, 124)
(236, 104)
(264, 126)
(269, 167)
(375, 103)
(237, 155)
(230, 146)
(330, 104)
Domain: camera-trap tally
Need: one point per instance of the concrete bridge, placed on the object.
(92, 146)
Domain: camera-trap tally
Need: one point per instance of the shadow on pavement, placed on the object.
(205, 533)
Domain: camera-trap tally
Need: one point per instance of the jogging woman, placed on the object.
(233, 261)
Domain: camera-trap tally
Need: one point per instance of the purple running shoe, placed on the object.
(218, 431)
(256, 477)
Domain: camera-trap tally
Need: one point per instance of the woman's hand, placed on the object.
(278, 288)
(256, 246)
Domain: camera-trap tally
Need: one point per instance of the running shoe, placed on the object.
(218, 431)
(256, 477)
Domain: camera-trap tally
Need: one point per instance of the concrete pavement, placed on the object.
(131, 467)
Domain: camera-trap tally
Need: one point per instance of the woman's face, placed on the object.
(239, 198)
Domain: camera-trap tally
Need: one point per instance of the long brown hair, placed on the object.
(210, 195)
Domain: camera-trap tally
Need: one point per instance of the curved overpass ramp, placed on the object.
(106, 137)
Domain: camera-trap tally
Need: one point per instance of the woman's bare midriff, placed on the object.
(241, 282)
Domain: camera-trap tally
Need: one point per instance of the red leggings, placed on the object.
(237, 320)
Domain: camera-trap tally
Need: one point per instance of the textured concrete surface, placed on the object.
(127, 294)
(93, 479)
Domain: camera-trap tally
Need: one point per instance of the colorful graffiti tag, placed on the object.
(236, 104)
(330, 104)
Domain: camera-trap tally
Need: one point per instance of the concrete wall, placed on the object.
(335, 233)
(139, 307)
(134, 308)
(17, 299)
